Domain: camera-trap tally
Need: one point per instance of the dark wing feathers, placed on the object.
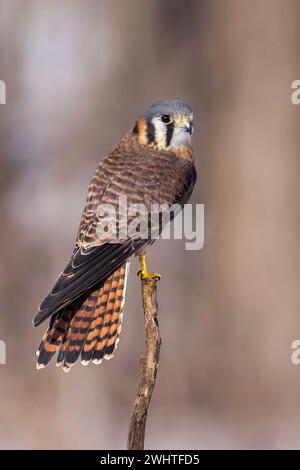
(102, 261)
(145, 176)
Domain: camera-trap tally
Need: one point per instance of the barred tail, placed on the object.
(91, 327)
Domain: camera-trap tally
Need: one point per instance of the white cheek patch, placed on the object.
(180, 138)
(160, 132)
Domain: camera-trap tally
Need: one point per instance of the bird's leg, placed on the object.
(144, 272)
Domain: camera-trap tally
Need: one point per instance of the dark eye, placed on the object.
(166, 118)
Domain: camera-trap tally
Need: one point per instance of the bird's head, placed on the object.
(166, 125)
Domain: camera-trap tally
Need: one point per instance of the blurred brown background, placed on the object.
(78, 73)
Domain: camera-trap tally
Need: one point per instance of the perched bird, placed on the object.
(153, 164)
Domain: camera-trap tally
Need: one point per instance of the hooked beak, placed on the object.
(185, 124)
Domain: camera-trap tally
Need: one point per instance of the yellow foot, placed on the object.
(147, 276)
(143, 273)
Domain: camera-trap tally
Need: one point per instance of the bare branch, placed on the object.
(148, 364)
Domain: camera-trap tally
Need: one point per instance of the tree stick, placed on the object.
(148, 364)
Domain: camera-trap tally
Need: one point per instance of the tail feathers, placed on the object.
(98, 322)
(53, 337)
(91, 328)
(78, 330)
(106, 327)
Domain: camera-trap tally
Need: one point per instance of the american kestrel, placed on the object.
(153, 164)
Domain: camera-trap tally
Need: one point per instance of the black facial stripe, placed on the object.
(135, 130)
(169, 134)
(150, 132)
